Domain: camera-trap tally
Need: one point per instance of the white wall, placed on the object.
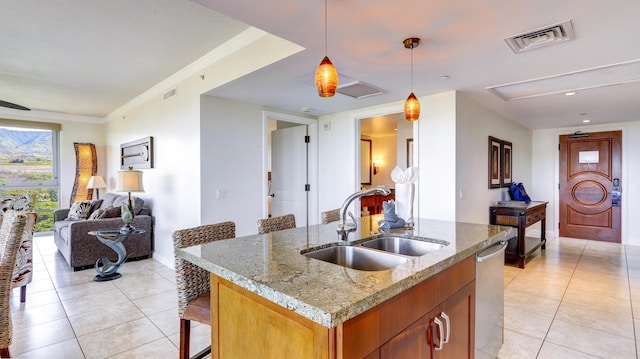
(232, 149)
(545, 169)
(475, 123)
(436, 147)
(172, 187)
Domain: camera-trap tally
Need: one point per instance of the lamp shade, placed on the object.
(326, 78)
(129, 181)
(412, 108)
(96, 182)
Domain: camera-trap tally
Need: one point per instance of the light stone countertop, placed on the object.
(271, 265)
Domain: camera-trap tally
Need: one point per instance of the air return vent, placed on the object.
(169, 94)
(544, 36)
(358, 89)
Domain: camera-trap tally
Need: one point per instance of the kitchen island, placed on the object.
(269, 300)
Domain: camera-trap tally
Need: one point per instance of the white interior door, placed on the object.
(289, 173)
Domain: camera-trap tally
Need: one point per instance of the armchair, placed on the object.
(10, 236)
(23, 271)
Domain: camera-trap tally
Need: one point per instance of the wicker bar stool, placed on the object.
(10, 236)
(330, 216)
(279, 223)
(193, 282)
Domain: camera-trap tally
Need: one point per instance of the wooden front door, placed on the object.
(588, 167)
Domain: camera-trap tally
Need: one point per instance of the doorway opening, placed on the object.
(386, 142)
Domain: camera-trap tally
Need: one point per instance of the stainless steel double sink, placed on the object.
(377, 253)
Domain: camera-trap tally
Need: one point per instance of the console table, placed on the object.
(521, 218)
(374, 202)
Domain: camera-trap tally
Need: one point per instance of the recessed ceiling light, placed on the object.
(569, 93)
(444, 77)
(586, 120)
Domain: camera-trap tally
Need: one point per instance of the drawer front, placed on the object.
(506, 220)
(535, 217)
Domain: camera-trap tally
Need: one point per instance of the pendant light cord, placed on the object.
(411, 68)
(325, 27)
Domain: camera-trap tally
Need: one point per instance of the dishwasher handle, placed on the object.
(495, 250)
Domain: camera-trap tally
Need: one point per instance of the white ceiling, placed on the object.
(89, 57)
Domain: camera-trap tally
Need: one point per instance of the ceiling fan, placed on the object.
(13, 105)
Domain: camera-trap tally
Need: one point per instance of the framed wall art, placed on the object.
(409, 152)
(365, 161)
(506, 156)
(137, 154)
(495, 170)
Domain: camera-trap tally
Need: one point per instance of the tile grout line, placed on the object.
(544, 340)
(55, 287)
(633, 322)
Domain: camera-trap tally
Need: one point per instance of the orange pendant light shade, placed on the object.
(326, 78)
(412, 108)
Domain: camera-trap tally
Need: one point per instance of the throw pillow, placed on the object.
(138, 203)
(111, 212)
(80, 210)
(96, 214)
(17, 202)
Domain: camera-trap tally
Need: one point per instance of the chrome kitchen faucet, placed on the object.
(345, 228)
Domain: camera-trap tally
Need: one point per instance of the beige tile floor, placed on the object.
(578, 299)
(68, 315)
(575, 300)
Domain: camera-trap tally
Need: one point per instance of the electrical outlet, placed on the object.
(461, 194)
(221, 194)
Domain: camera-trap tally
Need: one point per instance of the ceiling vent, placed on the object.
(358, 90)
(169, 94)
(544, 36)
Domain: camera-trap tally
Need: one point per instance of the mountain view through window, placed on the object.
(27, 166)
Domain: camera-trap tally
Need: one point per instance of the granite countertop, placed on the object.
(271, 265)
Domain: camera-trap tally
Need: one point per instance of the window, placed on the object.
(28, 165)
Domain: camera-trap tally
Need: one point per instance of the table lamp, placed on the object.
(129, 181)
(96, 182)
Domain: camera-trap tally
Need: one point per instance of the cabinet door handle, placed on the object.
(448, 326)
(439, 323)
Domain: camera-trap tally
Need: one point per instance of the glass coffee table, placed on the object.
(112, 238)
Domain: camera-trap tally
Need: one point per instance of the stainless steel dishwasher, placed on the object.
(490, 301)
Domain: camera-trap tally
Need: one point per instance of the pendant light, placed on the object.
(326, 74)
(412, 105)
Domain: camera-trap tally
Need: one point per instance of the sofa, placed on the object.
(81, 250)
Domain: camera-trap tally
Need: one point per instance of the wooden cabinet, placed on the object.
(374, 203)
(246, 325)
(444, 332)
(521, 218)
